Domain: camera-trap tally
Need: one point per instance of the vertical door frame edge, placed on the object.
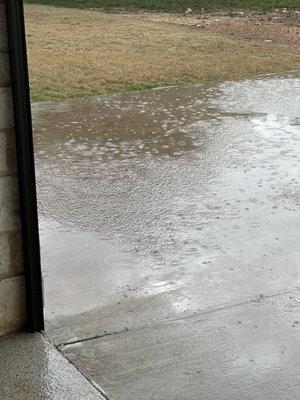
(25, 164)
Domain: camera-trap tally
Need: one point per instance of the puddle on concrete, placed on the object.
(77, 263)
(187, 191)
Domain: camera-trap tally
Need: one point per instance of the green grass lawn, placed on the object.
(171, 5)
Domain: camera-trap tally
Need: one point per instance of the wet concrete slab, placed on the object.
(246, 352)
(184, 197)
(166, 216)
(32, 369)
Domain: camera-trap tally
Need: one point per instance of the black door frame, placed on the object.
(25, 163)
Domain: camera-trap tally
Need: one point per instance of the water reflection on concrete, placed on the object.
(187, 191)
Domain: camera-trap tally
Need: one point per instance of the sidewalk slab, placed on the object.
(245, 352)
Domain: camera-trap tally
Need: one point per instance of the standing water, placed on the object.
(160, 204)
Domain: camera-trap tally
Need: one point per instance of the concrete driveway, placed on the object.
(170, 239)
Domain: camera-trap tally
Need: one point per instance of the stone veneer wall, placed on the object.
(12, 291)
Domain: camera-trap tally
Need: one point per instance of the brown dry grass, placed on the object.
(82, 52)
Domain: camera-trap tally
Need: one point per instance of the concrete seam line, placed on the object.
(12, 232)
(10, 276)
(97, 387)
(8, 173)
(61, 346)
(7, 130)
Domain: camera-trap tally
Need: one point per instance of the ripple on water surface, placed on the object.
(186, 184)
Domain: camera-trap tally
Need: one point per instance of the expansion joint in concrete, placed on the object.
(97, 387)
(61, 346)
(8, 173)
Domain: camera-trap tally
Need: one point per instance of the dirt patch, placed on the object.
(278, 27)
